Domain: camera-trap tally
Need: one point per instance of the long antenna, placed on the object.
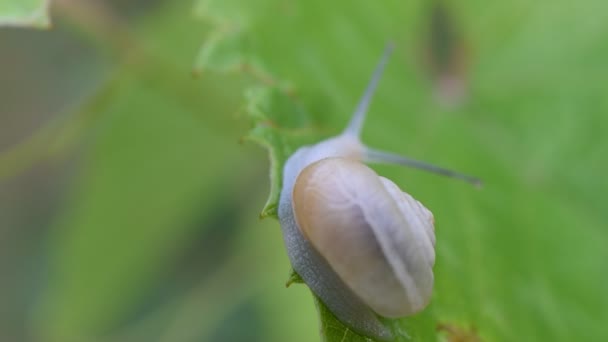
(375, 156)
(356, 122)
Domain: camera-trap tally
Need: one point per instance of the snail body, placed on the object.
(363, 246)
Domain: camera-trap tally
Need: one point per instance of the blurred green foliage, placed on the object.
(24, 13)
(156, 237)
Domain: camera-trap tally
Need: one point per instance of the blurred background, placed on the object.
(129, 200)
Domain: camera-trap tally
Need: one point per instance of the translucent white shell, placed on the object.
(379, 240)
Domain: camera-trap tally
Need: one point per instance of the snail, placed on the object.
(365, 248)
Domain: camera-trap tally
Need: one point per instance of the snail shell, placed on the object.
(378, 239)
(363, 246)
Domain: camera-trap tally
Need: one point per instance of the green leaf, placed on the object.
(518, 259)
(274, 115)
(147, 178)
(32, 13)
(332, 329)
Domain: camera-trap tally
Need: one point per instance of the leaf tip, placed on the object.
(270, 210)
(294, 278)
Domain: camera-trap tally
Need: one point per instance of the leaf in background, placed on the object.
(142, 183)
(520, 259)
(31, 13)
(160, 155)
